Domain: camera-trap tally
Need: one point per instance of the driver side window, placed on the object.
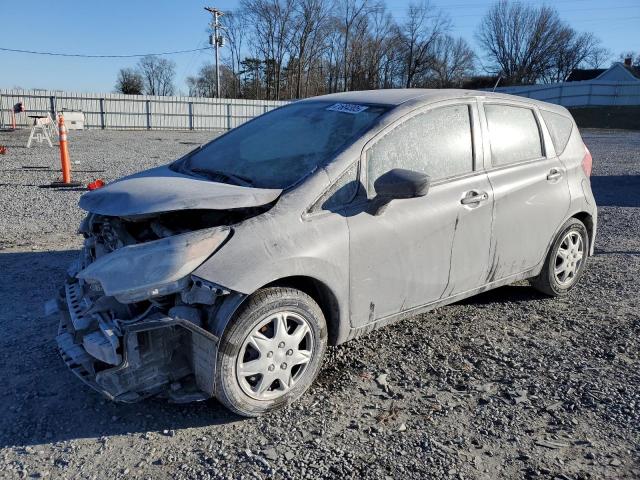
(437, 142)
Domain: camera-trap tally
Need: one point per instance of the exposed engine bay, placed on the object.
(135, 322)
(111, 233)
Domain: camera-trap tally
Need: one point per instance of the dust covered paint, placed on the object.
(372, 206)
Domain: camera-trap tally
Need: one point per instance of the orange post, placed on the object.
(65, 162)
(64, 151)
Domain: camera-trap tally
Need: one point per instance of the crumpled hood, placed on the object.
(161, 189)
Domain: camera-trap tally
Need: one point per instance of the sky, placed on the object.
(118, 27)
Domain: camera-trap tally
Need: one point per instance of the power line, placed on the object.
(81, 55)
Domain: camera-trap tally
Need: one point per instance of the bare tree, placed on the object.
(453, 61)
(520, 40)
(600, 57)
(333, 55)
(204, 84)
(308, 16)
(379, 46)
(424, 25)
(573, 50)
(158, 74)
(352, 14)
(129, 82)
(272, 22)
(298, 48)
(634, 56)
(235, 30)
(314, 64)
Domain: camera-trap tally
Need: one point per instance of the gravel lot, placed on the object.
(509, 384)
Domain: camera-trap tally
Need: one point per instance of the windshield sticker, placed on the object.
(347, 108)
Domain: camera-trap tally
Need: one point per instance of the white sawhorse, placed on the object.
(43, 128)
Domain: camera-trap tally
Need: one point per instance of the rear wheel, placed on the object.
(272, 351)
(565, 261)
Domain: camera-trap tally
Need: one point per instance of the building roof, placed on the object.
(635, 71)
(580, 74)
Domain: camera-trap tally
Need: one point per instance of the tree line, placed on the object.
(284, 49)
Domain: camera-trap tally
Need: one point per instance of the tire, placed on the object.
(548, 281)
(274, 326)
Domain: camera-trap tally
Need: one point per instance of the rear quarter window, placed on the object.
(513, 133)
(560, 128)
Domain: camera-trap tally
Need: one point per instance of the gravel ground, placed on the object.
(508, 384)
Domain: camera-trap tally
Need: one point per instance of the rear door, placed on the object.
(531, 194)
(420, 249)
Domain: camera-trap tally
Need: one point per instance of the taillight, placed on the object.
(587, 162)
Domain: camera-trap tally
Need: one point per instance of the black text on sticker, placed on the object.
(347, 108)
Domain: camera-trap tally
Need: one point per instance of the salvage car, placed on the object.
(228, 272)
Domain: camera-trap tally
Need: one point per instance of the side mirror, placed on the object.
(399, 183)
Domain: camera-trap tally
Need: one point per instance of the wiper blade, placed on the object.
(239, 179)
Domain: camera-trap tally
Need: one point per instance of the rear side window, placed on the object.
(436, 142)
(513, 133)
(559, 128)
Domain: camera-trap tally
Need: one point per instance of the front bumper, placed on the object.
(157, 355)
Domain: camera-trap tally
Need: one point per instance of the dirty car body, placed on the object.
(173, 254)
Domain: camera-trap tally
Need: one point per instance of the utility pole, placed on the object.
(217, 41)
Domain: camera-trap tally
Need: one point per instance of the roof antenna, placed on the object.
(496, 85)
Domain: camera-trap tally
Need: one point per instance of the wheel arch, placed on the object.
(590, 224)
(587, 219)
(323, 296)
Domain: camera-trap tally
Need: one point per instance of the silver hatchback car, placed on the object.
(228, 272)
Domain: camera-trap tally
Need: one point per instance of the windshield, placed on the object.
(279, 148)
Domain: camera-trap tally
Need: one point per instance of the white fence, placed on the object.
(139, 112)
(118, 111)
(581, 94)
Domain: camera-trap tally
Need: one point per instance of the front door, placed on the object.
(402, 258)
(530, 188)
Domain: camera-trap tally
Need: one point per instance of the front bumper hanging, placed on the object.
(159, 354)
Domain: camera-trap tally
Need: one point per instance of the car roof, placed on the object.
(398, 96)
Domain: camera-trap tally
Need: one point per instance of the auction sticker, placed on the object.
(347, 108)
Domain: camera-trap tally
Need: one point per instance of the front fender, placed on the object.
(270, 248)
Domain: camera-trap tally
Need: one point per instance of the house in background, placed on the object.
(618, 72)
(618, 85)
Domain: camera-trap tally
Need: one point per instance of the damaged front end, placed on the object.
(135, 321)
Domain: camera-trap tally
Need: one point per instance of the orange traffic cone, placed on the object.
(64, 157)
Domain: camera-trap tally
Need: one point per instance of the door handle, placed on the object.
(554, 174)
(474, 197)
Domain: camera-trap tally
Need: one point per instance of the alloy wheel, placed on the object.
(274, 355)
(569, 258)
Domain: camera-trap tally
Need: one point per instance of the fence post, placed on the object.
(229, 123)
(561, 93)
(148, 108)
(103, 121)
(190, 115)
(52, 105)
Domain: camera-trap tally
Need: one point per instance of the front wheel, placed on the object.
(271, 352)
(565, 261)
